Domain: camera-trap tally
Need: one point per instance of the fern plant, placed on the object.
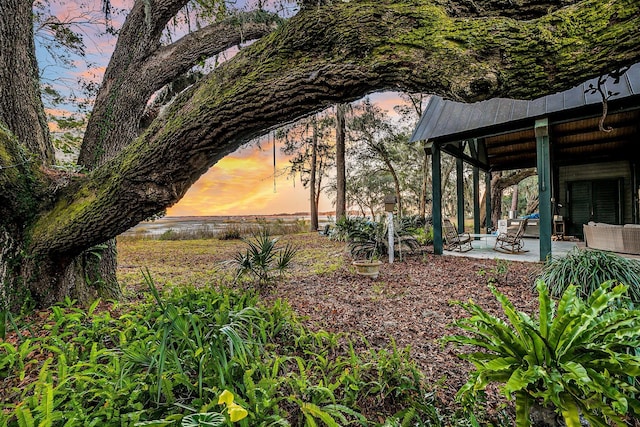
(573, 357)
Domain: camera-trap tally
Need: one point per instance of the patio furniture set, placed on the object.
(508, 242)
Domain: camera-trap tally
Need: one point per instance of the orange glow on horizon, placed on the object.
(242, 184)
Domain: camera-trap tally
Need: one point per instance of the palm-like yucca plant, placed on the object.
(371, 239)
(261, 258)
(573, 357)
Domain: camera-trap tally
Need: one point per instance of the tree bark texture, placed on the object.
(313, 208)
(21, 108)
(303, 67)
(341, 173)
(140, 66)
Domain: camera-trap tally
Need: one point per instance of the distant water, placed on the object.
(193, 223)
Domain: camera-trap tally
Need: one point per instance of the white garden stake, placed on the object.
(391, 233)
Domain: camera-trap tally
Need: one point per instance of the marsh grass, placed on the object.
(203, 262)
(231, 230)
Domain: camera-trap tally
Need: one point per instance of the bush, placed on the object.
(346, 225)
(261, 259)
(234, 231)
(575, 358)
(415, 222)
(371, 239)
(424, 236)
(177, 354)
(201, 232)
(587, 269)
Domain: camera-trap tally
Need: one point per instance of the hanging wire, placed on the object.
(273, 134)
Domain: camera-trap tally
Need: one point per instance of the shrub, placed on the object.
(172, 358)
(424, 236)
(587, 269)
(201, 232)
(261, 259)
(415, 222)
(346, 225)
(574, 358)
(170, 234)
(233, 231)
(371, 239)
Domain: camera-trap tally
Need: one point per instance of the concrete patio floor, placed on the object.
(484, 249)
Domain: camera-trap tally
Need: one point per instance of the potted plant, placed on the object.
(368, 267)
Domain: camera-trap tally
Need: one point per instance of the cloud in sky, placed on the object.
(242, 184)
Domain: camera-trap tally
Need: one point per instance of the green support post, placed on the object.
(476, 200)
(460, 193)
(543, 153)
(635, 190)
(436, 192)
(488, 223)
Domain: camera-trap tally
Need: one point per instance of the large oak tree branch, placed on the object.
(171, 61)
(302, 67)
(140, 66)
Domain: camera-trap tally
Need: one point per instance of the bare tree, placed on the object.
(341, 183)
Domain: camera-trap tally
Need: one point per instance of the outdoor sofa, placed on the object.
(616, 238)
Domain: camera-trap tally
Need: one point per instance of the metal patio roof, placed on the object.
(445, 120)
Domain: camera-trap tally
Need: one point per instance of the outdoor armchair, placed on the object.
(511, 242)
(455, 241)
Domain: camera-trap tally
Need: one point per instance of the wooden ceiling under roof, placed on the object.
(572, 142)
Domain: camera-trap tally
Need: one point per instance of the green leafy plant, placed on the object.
(262, 259)
(587, 269)
(167, 362)
(573, 357)
(368, 239)
(345, 225)
(497, 274)
(424, 236)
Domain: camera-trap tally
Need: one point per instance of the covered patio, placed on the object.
(588, 171)
(483, 249)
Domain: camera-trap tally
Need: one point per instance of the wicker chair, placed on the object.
(511, 242)
(455, 241)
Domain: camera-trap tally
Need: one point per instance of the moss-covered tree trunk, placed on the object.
(328, 53)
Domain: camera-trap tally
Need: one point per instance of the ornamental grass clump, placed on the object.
(573, 358)
(587, 269)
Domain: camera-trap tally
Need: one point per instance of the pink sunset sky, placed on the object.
(240, 184)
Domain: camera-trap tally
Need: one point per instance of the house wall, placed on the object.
(596, 171)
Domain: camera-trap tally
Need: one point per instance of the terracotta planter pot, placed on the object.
(368, 268)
